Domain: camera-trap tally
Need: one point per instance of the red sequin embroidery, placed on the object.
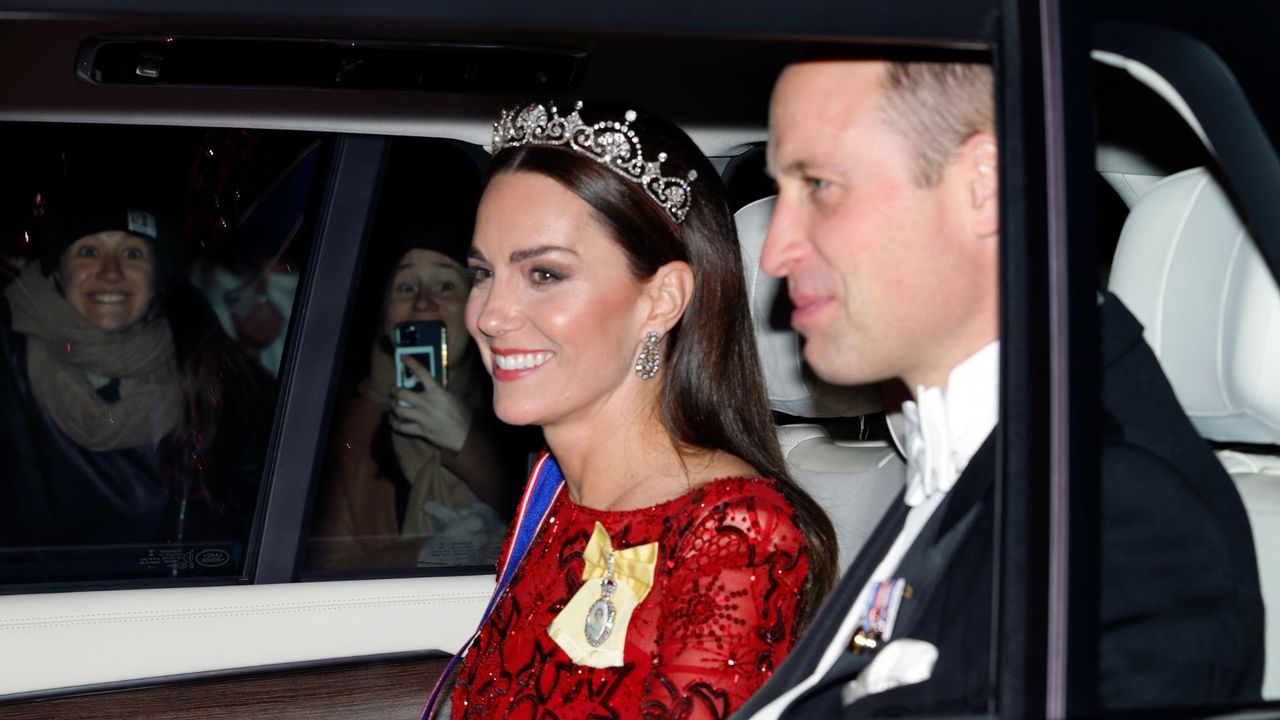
(721, 614)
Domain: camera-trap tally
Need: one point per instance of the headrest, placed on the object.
(1189, 270)
(793, 388)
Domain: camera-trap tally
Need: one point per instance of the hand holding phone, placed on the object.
(426, 409)
(425, 341)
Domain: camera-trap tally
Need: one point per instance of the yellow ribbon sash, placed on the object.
(592, 627)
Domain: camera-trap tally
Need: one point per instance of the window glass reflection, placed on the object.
(137, 395)
(419, 473)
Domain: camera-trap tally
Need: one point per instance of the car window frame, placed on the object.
(1246, 155)
(313, 362)
(1035, 410)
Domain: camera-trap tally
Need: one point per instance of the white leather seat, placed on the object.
(1191, 273)
(854, 481)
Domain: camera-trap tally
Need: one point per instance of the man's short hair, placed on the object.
(937, 106)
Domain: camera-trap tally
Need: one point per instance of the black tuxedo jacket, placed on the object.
(1180, 610)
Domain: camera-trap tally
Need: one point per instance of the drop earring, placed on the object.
(650, 359)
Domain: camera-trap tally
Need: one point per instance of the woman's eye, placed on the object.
(446, 286)
(406, 288)
(87, 251)
(544, 276)
(133, 254)
(816, 184)
(478, 274)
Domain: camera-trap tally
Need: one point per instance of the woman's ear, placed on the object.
(669, 291)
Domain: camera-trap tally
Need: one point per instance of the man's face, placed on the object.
(877, 267)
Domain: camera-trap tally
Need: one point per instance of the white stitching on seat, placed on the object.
(1158, 345)
(1219, 362)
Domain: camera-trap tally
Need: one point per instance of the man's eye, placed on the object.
(133, 254)
(406, 288)
(87, 251)
(816, 184)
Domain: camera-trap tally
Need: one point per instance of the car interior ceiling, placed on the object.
(723, 104)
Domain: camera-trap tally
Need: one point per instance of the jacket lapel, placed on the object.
(822, 633)
(925, 563)
(929, 556)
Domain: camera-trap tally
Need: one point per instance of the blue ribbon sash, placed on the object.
(545, 483)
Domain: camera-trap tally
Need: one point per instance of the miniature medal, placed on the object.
(601, 615)
(879, 614)
(592, 627)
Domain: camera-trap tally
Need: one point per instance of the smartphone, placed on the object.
(425, 341)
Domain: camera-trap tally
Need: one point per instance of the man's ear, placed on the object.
(980, 158)
(669, 291)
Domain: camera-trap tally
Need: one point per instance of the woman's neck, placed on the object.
(618, 462)
(627, 463)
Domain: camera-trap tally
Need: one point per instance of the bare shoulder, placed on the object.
(717, 466)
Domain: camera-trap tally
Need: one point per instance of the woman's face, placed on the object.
(107, 276)
(428, 285)
(554, 309)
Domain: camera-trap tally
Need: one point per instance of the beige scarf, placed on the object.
(419, 460)
(64, 349)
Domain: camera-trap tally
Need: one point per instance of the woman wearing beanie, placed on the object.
(128, 417)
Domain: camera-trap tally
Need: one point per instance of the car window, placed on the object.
(149, 279)
(1178, 249)
(425, 479)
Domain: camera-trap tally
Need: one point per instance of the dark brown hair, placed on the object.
(713, 393)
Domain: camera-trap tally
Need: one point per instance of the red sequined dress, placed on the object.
(721, 615)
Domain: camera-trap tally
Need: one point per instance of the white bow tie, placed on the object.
(931, 464)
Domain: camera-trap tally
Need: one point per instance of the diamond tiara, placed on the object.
(612, 144)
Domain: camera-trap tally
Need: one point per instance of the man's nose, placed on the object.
(784, 245)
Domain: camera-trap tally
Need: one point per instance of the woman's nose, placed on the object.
(498, 314)
(425, 301)
(109, 268)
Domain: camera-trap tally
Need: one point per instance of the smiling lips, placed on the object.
(108, 298)
(509, 365)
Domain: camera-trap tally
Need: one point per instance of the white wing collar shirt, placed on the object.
(944, 431)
